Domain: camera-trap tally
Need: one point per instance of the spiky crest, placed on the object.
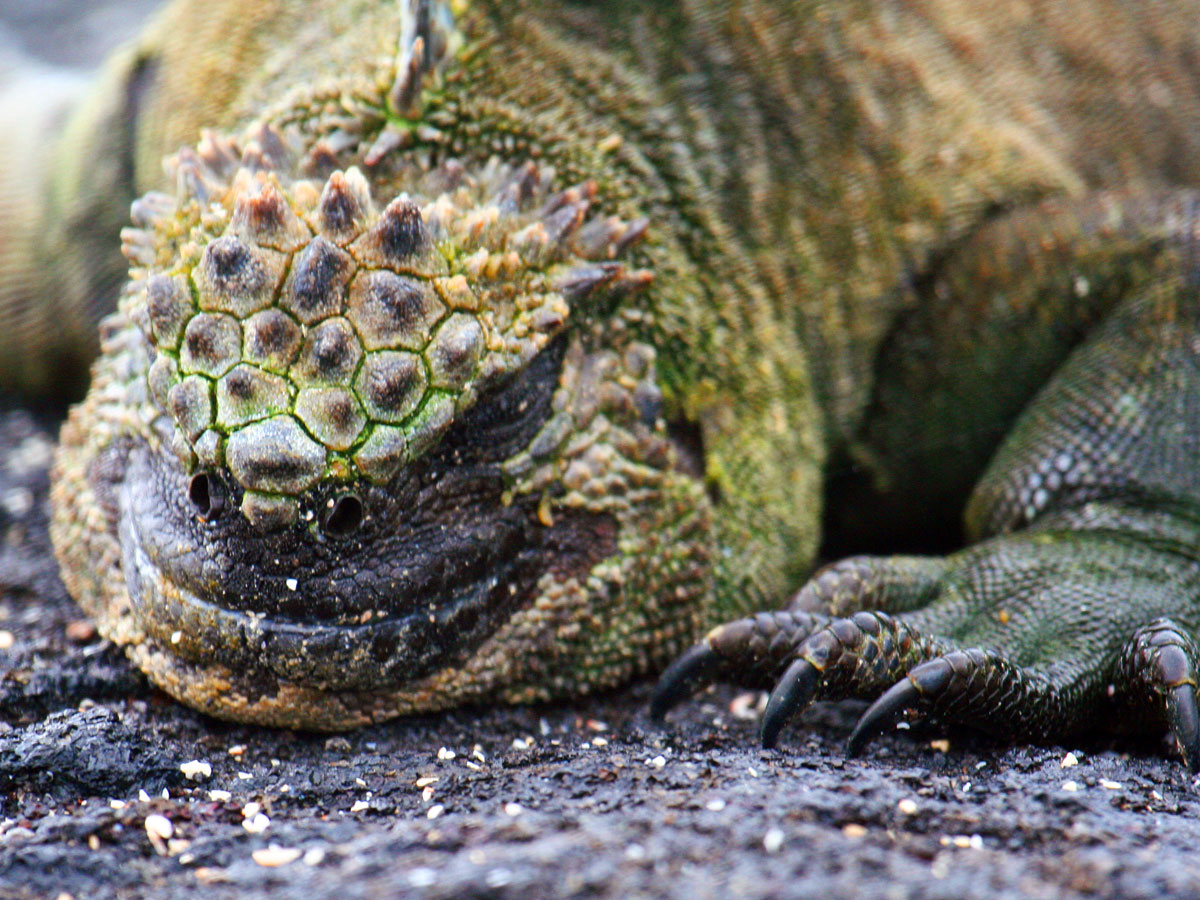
(290, 313)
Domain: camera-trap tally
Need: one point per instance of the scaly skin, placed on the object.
(497, 352)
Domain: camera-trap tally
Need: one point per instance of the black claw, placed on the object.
(793, 693)
(882, 713)
(695, 667)
(1184, 719)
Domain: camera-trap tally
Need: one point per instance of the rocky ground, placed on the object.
(110, 790)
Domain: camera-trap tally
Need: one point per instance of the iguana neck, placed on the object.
(597, 88)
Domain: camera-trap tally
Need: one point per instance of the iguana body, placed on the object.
(497, 352)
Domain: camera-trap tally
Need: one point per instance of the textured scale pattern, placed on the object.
(301, 332)
(498, 349)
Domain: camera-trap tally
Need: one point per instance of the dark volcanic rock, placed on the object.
(82, 753)
(586, 798)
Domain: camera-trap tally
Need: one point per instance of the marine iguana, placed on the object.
(498, 351)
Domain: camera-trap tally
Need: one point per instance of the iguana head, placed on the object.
(418, 397)
(399, 443)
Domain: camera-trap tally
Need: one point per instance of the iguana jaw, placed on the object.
(374, 614)
(439, 562)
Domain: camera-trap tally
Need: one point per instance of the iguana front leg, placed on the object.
(1078, 606)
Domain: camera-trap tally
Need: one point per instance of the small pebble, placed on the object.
(773, 840)
(941, 744)
(1070, 785)
(359, 806)
(962, 841)
(1069, 760)
(1110, 785)
(657, 763)
(513, 809)
(748, 706)
(445, 754)
(270, 857)
(220, 796)
(422, 877)
(257, 823)
(715, 805)
(434, 811)
(196, 770)
(907, 806)
(159, 826)
(80, 631)
(7, 639)
(854, 830)
(314, 857)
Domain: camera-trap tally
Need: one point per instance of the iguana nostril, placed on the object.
(207, 495)
(344, 517)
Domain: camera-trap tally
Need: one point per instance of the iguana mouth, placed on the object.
(438, 563)
(291, 605)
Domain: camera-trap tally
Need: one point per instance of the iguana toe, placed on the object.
(750, 651)
(1157, 671)
(699, 665)
(795, 691)
(882, 713)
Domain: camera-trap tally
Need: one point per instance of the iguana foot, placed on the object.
(1157, 670)
(1023, 635)
(750, 651)
(1078, 606)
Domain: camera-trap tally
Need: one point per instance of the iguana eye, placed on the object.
(207, 495)
(344, 517)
